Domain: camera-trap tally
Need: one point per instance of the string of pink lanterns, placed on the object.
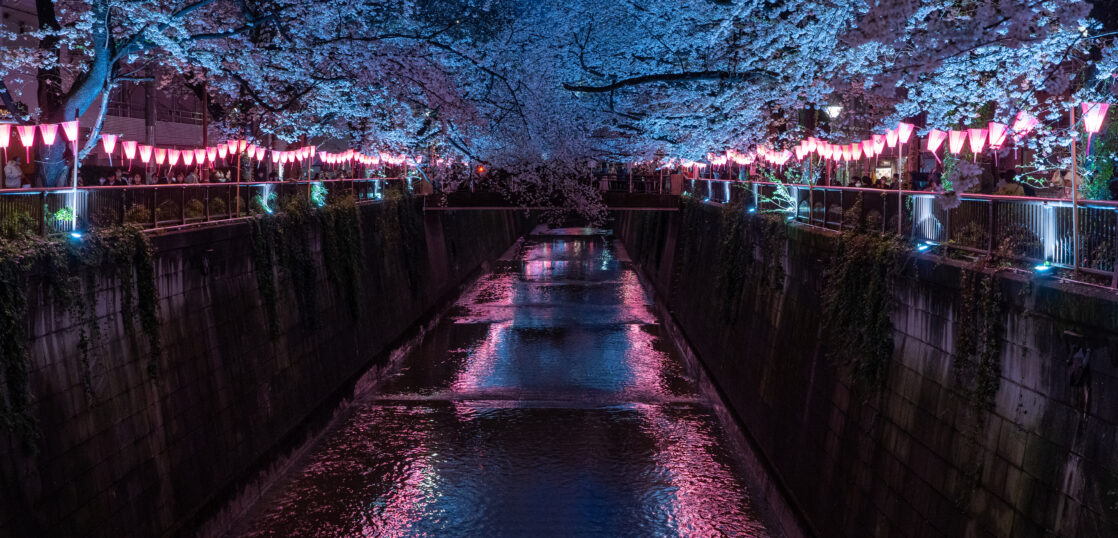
(994, 136)
(131, 149)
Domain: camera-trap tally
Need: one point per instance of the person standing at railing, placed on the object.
(13, 174)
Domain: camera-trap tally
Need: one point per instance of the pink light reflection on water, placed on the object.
(706, 499)
(415, 490)
(478, 369)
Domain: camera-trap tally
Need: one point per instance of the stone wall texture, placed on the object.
(914, 457)
(124, 453)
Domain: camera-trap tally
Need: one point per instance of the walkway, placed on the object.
(546, 404)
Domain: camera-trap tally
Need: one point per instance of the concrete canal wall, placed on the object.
(128, 450)
(958, 438)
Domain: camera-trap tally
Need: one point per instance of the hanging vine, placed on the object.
(342, 250)
(124, 251)
(263, 262)
(858, 300)
(977, 365)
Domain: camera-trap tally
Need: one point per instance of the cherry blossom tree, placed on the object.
(528, 86)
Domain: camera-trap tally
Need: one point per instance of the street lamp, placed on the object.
(833, 110)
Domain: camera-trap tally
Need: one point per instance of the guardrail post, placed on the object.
(990, 228)
(43, 213)
(900, 211)
(182, 206)
(206, 200)
(810, 204)
(155, 208)
(1114, 277)
(947, 225)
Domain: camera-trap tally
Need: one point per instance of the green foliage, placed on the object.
(137, 214)
(124, 251)
(217, 207)
(401, 228)
(1097, 169)
(168, 210)
(17, 224)
(284, 240)
(978, 341)
(263, 262)
(342, 249)
(858, 300)
(977, 366)
(195, 209)
(64, 215)
(751, 250)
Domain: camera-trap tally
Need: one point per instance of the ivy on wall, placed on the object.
(282, 245)
(858, 300)
(67, 271)
(342, 249)
(977, 366)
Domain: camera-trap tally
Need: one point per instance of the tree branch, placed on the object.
(755, 75)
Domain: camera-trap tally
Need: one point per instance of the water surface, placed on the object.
(545, 404)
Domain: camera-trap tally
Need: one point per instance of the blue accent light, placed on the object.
(925, 246)
(752, 210)
(1044, 269)
(76, 235)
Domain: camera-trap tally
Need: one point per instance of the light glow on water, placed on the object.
(544, 403)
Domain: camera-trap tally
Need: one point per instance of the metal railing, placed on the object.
(636, 184)
(1035, 230)
(62, 210)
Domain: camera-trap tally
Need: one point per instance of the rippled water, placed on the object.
(546, 404)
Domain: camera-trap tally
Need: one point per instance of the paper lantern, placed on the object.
(825, 150)
(977, 141)
(955, 141)
(108, 142)
(904, 131)
(129, 148)
(891, 138)
(211, 155)
(867, 148)
(5, 135)
(160, 156)
(26, 137)
(200, 156)
(997, 134)
(878, 144)
(145, 153)
(173, 157)
(845, 151)
(222, 150)
(70, 129)
(275, 157)
(50, 132)
(187, 157)
(799, 153)
(259, 154)
(232, 146)
(856, 150)
(242, 144)
(935, 140)
(1022, 125)
(298, 155)
(1093, 114)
